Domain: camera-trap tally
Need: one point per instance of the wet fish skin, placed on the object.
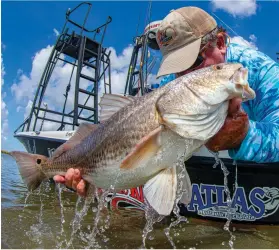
(140, 144)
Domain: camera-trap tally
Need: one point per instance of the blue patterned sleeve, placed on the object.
(261, 143)
(166, 79)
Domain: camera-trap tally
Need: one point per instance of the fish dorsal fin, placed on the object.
(83, 131)
(146, 148)
(160, 191)
(112, 103)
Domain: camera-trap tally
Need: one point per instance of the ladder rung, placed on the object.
(88, 78)
(91, 52)
(66, 61)
(86, 92)
(86, 107)
(90, 65)
(136, 72)
(86, 119)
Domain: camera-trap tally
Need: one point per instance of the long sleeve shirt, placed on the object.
(261, 143)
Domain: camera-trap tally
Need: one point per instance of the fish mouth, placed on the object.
(240, 79)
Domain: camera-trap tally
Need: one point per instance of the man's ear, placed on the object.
(221, 43)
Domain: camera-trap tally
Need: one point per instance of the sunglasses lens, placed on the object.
(197, 62)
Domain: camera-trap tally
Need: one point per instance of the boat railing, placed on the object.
(82, 27)
(22, 126)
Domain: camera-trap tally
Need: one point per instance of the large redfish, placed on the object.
(140, 139)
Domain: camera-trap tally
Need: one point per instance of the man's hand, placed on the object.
(234, 130)
(73, 180)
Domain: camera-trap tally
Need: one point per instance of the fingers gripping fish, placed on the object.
(140, 139)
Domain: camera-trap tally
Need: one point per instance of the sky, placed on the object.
(30, 29)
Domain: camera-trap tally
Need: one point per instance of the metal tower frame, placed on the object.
(139, 69)
(80, 47)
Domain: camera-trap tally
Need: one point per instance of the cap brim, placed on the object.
(180, 59)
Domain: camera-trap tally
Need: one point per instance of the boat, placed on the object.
(254, 187)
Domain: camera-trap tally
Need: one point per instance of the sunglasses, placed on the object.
(209, 44)
(201, 55)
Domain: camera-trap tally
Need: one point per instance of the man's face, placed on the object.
(212, 54)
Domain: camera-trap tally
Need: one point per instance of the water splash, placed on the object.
(180, 168)
(36, 231)
(26, 198)
(236, 179)
(101, 204)
(62, 232)
(41, 209)
(77, 220)
(79, 215)
(151, 217)
(103, 201)
(229, 199)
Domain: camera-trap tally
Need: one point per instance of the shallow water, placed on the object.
(37, 223)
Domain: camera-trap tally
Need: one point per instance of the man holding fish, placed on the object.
(140, 140)
(190, 39)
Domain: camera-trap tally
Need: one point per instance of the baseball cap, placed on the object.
(179, 38)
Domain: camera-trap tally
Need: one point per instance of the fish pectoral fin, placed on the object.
(112, 103)
(83, 131)
(187, 189)
(147, 147)
(160, 191)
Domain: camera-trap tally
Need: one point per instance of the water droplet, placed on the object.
(107, 199)
(151, 237)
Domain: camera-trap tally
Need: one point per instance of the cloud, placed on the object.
(120, 64)
(240, 40)
(56, 32)
(119, 69)
(4, 110)
(25, 85)
(4, 120)
(3, 46)
(242, 8)
(253, 38)
(2, 71)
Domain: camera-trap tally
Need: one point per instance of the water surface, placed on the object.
(36, 222)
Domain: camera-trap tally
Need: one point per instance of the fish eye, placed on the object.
(217, 67)
(39, 161)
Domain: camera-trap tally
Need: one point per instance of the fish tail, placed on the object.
(30, 168)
